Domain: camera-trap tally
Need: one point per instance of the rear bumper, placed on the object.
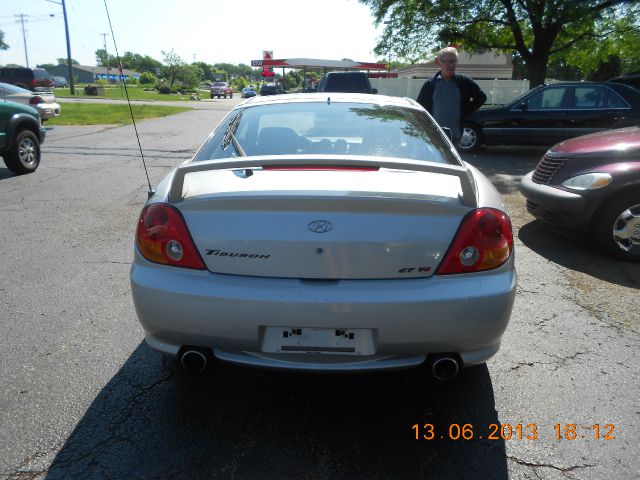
(48, 110)
(410, 318)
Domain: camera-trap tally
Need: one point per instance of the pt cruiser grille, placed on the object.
(547, 168)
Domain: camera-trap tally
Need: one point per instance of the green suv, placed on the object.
(21, 133)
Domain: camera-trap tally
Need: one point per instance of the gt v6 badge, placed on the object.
(414, 269)
(320, 226)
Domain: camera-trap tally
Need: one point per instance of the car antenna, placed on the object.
(150, 192)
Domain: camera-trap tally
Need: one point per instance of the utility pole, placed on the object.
(24, 37)
(106, 55)
(66, 31)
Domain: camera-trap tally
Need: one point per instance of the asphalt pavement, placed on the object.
(84, 397)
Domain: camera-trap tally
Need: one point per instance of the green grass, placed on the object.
(135, 93)
(106, 114)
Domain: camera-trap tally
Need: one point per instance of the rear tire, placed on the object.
(618, 228)
(471, 138)
(24, 155)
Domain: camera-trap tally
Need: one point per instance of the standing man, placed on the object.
(450, 96)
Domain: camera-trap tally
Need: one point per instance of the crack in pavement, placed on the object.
(23, 470)
(114, 436)
(560, 363)
(534, 466)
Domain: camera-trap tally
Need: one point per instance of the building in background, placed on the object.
(86, 74)
(479, 66)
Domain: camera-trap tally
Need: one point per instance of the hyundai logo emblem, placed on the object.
(320, 226)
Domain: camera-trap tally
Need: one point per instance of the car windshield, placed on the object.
(330, 128)
(219, 84)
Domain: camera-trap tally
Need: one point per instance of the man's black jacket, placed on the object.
(471, 97)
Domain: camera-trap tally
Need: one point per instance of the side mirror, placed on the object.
(374, 91)
(447, 132)
(524, 106)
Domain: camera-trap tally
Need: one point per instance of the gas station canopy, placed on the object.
(308, 63)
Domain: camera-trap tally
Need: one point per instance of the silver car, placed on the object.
(43, 102)
(321, 232)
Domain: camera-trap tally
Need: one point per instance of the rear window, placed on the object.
(346, 83)
(40, 74)
(331, 128)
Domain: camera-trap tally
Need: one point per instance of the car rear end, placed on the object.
(46, 105)
(41, 80)
(325, 262)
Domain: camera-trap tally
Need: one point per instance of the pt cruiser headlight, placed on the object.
(588, 181)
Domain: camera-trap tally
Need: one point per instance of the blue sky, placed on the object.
(211, 30)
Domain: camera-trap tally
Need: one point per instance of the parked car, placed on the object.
(34, 79)
(271, 89)
(21, 134)
(341, 235)
(59, 81)
(43, 102)
(248, 92)
(353, 82)
(590, 186)
(221, 89)
(549, 114)
(631, 79)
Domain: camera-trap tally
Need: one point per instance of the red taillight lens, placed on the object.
(162, 237)
(483, 241)
(36, 99)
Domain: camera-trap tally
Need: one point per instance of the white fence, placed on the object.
(498, 92)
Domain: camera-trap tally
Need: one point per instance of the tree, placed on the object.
(140, 63)
(173, 66)
(3, 46)
(613, 53)
(535, 29)
(147, 78)
(65, 61)
(103, 59)
(239, 83)
(294, 79)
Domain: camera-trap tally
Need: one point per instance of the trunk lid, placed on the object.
(316, 225)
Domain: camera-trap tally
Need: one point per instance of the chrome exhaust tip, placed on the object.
(193, 361)
(445, 368)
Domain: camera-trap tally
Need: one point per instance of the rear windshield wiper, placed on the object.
(229, 136)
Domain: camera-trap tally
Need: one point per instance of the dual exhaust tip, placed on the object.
(443, 367)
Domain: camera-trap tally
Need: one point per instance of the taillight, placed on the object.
(162, 237)
(36, 99)
(483, 241)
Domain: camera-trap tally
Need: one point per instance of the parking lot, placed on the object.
(84, 397)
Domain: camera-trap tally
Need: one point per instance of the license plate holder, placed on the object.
(326, 341)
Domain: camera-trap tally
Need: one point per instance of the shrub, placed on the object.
(164, 89)
(131, 81)
(147, 77)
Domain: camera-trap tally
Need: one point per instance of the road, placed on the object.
(84, 397)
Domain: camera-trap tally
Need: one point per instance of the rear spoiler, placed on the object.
(467, 183)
